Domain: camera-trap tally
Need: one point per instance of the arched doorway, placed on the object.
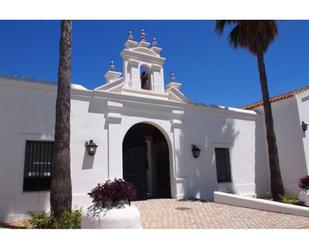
(146, 161)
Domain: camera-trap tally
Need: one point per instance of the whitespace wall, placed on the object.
(290, 140)
(27, 112)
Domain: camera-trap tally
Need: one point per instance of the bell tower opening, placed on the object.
(145, 78)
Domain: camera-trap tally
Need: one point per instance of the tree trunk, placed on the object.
(61, 188)
(277, 189)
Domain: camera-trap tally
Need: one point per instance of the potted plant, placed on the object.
(303, 195)
(111, 206)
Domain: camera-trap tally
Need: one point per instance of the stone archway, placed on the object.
(146, 161)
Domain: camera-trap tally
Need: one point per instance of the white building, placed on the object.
(145, 131)
(291, 114)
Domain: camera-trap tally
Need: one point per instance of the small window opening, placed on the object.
(38, 165)
(145, 80)
(223, 165)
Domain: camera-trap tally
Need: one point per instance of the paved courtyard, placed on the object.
(169, 213)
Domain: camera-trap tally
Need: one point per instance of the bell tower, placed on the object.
(142, 65)
(143, 74)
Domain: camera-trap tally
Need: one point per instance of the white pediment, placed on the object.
(145, 51)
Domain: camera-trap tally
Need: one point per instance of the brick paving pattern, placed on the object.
(170, 213)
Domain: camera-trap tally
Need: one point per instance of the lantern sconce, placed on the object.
(91, 147)
(304, 126)
(195, 151)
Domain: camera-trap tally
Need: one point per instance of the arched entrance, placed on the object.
(146, 161)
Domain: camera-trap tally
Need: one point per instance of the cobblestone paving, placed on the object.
(170, 213)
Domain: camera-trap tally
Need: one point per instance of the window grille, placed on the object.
(223, 165)
(38, 163)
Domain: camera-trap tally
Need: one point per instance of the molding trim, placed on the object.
(126, 53)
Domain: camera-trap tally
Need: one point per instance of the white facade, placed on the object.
(293, 143)
(105, 114)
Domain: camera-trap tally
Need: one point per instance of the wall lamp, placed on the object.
(91, 147)
(304, 126)
(195, 151)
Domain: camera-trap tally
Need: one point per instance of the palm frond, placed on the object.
(221, 24)
(246, 33)
(234, 36)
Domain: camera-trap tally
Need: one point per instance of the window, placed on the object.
(223, 165)
(38, 163)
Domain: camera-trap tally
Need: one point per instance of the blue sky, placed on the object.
(209, 69)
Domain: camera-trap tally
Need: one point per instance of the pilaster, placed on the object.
(113, 119)
(180, 174)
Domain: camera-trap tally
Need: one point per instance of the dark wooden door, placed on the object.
(163, 169)
(135, 159)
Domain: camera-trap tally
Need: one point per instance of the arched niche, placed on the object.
(145, 77)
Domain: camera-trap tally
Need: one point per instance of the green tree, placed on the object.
(256, 36)
(61, 187)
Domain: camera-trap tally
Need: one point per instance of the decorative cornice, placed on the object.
(156, 67)
(133, 63)
(126, 53)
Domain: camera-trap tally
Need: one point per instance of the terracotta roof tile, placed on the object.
(277, 98)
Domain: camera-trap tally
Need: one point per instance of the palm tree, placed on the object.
(61, 187)
(256, 36)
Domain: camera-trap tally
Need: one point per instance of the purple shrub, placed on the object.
(304, 182)
(112, 194)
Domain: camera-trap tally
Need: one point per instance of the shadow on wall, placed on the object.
(201, 172)
(289, 136)
(262, 174)
(97, 105)
(87, 160)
